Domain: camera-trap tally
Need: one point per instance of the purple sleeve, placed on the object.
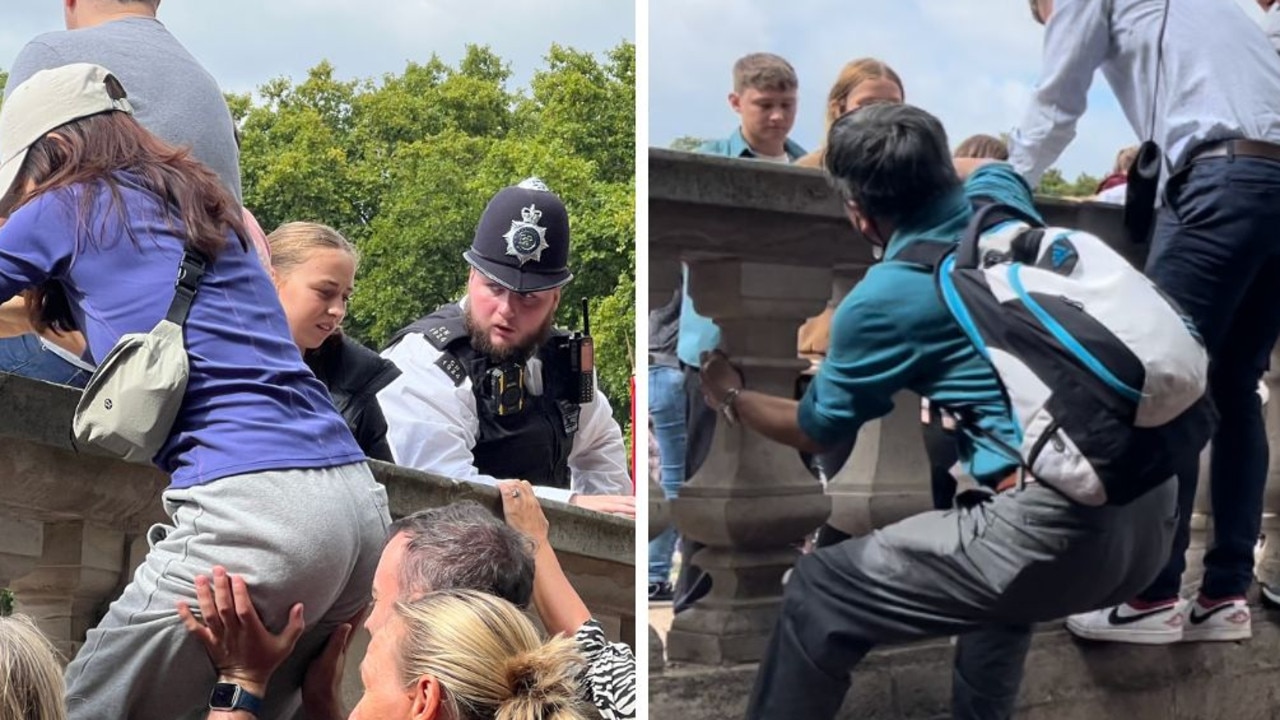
(37, 243)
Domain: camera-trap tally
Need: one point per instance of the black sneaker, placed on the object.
(660, 592)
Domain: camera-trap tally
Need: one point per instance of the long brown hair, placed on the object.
(89, 152)
(853, 74)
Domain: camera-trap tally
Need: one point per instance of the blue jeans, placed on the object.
(26, 356)
(667, 413)
(1216, 251)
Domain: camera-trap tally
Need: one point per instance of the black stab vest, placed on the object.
(531, 445)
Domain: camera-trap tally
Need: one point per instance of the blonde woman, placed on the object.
(314, 269)
(449, 655)
(861, 82)
(467, 655)
(30, 675)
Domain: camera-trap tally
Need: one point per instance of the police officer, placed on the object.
(489, 390)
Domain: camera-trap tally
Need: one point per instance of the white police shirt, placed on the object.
(1220, 77)
(433, 425)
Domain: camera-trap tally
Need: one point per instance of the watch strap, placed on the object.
(241, 699)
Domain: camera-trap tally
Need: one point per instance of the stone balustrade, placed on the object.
(767, 246)
(72, 525)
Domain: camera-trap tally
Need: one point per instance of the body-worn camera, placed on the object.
(504, 388)
(574, 363)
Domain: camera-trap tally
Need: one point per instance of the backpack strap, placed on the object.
(925, 253)
(190, 271)
(986, 216)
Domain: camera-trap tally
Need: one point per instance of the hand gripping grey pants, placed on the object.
(309, 536)
(984, 572)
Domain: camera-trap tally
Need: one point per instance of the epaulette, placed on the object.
(451, 367)
(446, 332)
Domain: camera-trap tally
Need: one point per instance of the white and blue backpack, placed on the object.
(1105, 376)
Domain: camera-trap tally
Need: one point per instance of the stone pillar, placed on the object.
(752, 499)
(1268, 565)
(664, 278)
(887, 477)
(77, 575)
(659, 520)
(1201, 529)
(21, 543)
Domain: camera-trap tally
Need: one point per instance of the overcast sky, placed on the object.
(972, 63)
(246, 42)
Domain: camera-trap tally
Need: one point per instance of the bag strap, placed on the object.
(190, 272)
(926, 253)
(985, 217)
(1155, 97)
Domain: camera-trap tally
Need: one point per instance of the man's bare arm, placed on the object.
(774, 417)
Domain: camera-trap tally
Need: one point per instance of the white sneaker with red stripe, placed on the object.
(1132, 622)
(1222, 620)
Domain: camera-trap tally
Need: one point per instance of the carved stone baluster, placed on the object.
(887, 477)
(1268, 567)
(664, 278)
(752, 499)
(659, 520)
(77, 575)
(21, 543)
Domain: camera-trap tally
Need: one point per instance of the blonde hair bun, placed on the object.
(543, 681)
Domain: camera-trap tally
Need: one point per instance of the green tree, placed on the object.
(403, 165)
(1085, 185)
(687, 143)
(1053, 184)
(4, 82)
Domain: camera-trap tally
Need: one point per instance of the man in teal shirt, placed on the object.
(765, 87)
(1011, 554)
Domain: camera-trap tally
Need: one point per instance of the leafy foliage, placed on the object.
(1053, 184)
(403, 166)
(687, 143)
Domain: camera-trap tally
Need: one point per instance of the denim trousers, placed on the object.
(25, 355)
(667, 415)
(1216, 252)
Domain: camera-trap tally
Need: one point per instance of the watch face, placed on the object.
(223, 696)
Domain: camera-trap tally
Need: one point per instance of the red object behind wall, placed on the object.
(632, 385)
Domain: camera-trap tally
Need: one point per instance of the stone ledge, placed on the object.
(46, 477)
(700, 205)
(1066, 679)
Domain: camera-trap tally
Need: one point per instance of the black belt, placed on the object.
(1236, 148)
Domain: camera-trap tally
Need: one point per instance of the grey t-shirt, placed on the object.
(172, 95)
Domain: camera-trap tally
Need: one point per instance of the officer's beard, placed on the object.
(508, 353)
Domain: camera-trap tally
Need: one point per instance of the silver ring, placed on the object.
(515, 493)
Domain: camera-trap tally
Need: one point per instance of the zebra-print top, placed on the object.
(609, 681)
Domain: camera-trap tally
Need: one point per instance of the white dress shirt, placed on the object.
(1220, 77)
(1272, 24)
(432, 425)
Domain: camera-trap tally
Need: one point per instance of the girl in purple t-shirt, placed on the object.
(265, 474)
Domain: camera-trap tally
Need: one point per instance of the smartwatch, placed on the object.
(230, 696)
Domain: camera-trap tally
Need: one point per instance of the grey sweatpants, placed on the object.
(983, 572)
(309, 536)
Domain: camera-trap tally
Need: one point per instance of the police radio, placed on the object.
(575, 363)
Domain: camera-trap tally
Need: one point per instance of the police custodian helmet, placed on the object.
(522, 241)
